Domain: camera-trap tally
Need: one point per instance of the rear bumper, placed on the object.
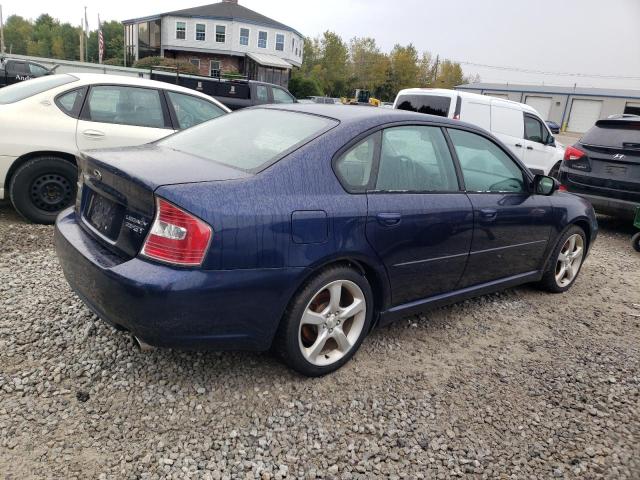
(172, 307)
(611, 206)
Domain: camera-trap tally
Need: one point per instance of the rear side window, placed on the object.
(249, 140)
(429, 104)
(20, 91)
(354, 167)
(621, 134)
(485, 166)
(415, 159)
(71, 102)
(191, 110)
(126, 106)
(507, 121)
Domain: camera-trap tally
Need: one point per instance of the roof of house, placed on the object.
(224, 10)
(585, 91)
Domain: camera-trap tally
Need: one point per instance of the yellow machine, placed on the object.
(361, 97)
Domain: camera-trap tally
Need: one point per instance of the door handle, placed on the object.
(93, 133)
(519, 145)
(488, 214)
(388, 219)
(529, 148)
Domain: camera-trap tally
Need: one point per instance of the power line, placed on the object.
(543, 72)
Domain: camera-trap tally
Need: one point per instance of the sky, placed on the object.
(593, 38)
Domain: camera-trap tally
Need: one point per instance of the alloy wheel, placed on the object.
(569, 260)
(332, 322)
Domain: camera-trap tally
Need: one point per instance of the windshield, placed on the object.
(249, 140)
(20, 91)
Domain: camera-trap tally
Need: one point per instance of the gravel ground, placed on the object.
(519, 384)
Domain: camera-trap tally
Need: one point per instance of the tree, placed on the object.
(449, 75)
(301, 87)
(17, 34)
(113, 42)
(427, 71)
(368, 65)
(333, 64)
(404, 67)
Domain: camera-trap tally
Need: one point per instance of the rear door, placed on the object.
(507, 123)
(17, 71)
(419, 221)
(511, 225)
(122, 116)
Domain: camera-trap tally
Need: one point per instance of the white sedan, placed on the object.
(46, 121)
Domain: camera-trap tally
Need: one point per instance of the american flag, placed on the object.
(100, 41)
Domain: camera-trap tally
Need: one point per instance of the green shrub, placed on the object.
(301, 87)
(183, 67)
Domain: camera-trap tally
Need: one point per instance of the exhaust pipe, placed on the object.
(142, 345)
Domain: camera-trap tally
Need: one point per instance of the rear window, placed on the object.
(20, 91)
(249, 140)
(615, 134)
(429, 104)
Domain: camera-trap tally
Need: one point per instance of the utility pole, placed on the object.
(1, 33)
(435, 69)
(81, 40)
(86, 29)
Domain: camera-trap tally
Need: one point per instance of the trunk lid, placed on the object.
(116, 201)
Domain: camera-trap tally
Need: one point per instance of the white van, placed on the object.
(517, 125)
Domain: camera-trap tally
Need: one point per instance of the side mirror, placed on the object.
(551, 140)
(544, 185)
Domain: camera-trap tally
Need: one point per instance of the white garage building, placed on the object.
(575, 109)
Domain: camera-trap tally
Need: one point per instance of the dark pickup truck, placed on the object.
(13, 70)
(235, 94)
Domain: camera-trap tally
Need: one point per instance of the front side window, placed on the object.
(533, 129)
(214, 68)
(416, 159)
(262, 94)
(244, 36)
(262, 39)
(249, 140)
(20, 91)
(485, 166)
(181, 30)
(38, 70)
(200, 32)
(192, 110)
(280, 42)
(280, 96)
(221, 33)
(125, 106)
(355, 166)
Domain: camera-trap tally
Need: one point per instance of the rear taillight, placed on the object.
(562, 188)
(176, 236)
(573, 153)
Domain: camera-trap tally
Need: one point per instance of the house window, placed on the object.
(195, 61)
(200, 35)
(262, 39)
(214, 69)
(280, 42)
(181, 30)
(244, 36)
(293, 44)
(221, 32)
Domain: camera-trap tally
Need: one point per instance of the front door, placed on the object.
(121, 116)
(511, 224)
(419, 221)
(538, 155)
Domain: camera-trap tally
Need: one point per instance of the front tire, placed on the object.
(566, 261)
(42, 187)
(325, 322)
(635, 241)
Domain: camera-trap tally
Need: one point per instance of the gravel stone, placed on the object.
(519, 384)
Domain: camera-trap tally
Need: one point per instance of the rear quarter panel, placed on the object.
(568, 210)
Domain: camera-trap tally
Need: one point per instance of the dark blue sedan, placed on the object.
(300, 228)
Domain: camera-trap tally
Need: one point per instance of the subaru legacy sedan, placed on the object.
(300, 228)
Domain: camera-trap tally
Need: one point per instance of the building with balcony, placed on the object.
(220, 38)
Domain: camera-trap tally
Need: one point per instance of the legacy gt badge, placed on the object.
(618, 156)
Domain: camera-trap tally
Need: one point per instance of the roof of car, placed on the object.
(347, 113)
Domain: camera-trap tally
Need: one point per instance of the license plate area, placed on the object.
(104, 215)
(615, 170)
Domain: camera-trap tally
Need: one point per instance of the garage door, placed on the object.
(541, 104)
(583, 115)
(633, 108)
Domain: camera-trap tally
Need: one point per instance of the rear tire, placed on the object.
(43, 187)
(635, 241)
(325, 322)
(565, 261)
